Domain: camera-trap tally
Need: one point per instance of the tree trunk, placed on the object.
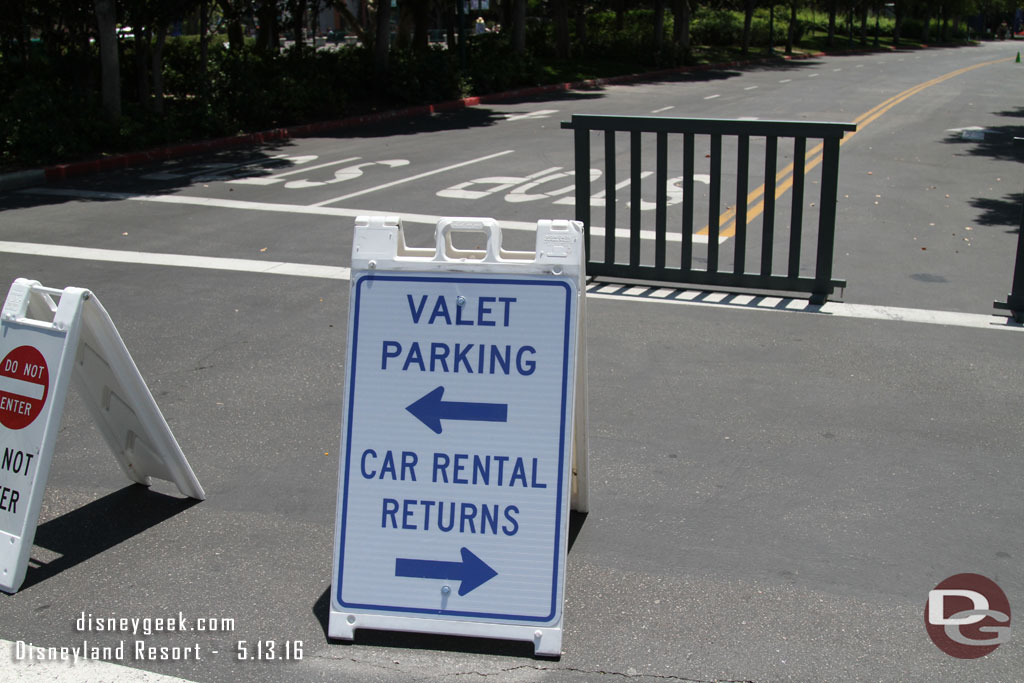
(898, 26)
(791, 31)
(561, 10)
(449, 26)
(405, 26)
(267, 38)
(110, 70)
(157, 59)
(681, 25)
(233, 18)
(831, 22)
(382, 42)
(659, 24)
(204, 47)
(421, 25)
(519, 26)
(299, 23)
(581, 23)
(142, 51)
(864, 23)
(748, 20)
(351, 21)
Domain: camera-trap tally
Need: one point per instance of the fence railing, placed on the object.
(679, 266)
(1015, 300)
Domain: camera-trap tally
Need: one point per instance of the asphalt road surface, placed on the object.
(775, 489)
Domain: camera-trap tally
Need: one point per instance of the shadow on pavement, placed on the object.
(83, 533)
(1001, 212)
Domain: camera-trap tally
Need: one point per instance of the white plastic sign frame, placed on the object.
(44, 343)
(463, 440)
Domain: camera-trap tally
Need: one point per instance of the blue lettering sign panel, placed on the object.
(456, 447)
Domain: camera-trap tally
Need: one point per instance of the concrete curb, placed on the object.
(59, 172)
(20, 179)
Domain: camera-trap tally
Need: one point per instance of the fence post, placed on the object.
(1015, 300)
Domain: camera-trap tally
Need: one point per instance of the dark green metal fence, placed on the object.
(1015, 300)
(679, 268)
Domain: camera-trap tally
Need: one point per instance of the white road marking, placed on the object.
(711, 97)
(177, 260)
(415, 177)
(418, 218)
(751, 87)
(813, 75)
(496, 183)
(831, 308)
(786, 80)
(539, 114)
(214, 203)
(658, 111)
(597, 290)
(70, 670)
(277, 177)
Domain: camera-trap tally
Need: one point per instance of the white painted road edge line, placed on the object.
(179, 260)
(70, 671)
(835, 309)
(596, 290)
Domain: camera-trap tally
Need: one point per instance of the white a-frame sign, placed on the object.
(463, 433)
(48, 336)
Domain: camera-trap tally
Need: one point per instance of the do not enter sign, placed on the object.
(24, 383)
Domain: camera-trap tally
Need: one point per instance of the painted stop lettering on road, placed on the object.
(24, 384)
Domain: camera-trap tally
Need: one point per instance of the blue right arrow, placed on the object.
(431, 409)
(471, 572)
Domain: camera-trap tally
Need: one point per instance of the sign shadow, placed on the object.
(420, 641)
(87, 531)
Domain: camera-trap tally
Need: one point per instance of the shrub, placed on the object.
(494, 66)
(717, 27)
(43, 119)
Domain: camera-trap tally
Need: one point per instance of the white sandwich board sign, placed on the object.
(463, 427)
(43, 345)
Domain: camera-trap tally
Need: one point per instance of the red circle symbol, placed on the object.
(24, 384)
(967, 616)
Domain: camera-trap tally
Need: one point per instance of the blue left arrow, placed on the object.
(472, 572)
(431, 409)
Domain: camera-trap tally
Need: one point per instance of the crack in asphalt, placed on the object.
(600, 672)
(535, 667)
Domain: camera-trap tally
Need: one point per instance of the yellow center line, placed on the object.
(784, 179)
